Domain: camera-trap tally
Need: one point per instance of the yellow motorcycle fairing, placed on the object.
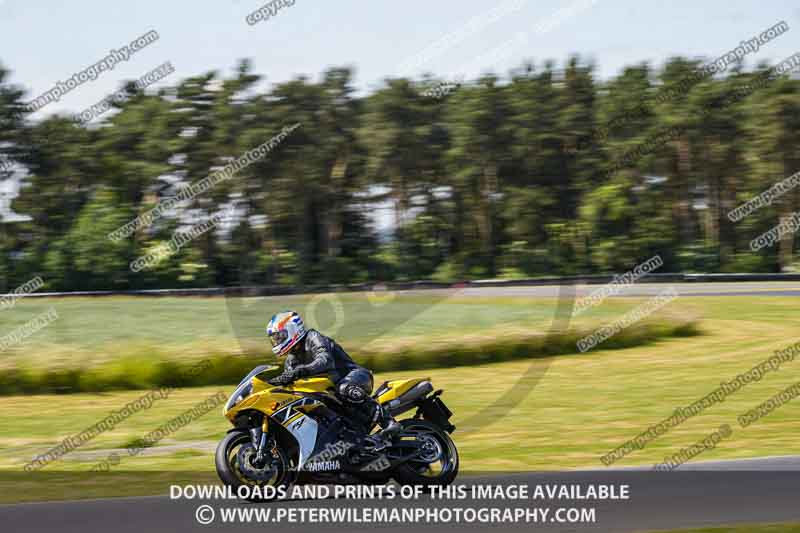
(312, 384)
(397, 388)
(287, 406)
(269, 399)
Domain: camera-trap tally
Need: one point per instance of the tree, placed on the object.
(774, 125)
(479, 157)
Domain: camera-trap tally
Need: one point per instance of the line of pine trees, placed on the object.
(546, 171)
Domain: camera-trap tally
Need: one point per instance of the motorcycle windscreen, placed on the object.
(244, 388)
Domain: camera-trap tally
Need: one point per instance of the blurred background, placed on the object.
(456, 141)
(518, 171)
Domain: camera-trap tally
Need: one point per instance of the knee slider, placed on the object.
(352, 393)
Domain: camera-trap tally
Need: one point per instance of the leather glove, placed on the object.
(283, 379)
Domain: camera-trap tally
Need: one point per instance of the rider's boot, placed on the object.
(389, 429)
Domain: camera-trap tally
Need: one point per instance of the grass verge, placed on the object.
(152, 369)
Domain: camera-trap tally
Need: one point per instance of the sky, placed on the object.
(46, 41)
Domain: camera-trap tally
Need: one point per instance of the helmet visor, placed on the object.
(279, 337)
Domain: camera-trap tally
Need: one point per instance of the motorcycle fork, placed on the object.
(259, 439)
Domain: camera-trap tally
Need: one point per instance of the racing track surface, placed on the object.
(721, 492)
(756, 288)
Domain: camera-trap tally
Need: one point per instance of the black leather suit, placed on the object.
(317, 355)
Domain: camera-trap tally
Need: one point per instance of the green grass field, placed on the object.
(128, 343)
(583, 406)
(97, 329)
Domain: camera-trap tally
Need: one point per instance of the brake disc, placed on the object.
(245, 456)
(430, 449)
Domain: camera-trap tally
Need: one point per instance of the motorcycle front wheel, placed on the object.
(235, 467)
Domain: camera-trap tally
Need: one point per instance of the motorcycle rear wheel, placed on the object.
(437, 443)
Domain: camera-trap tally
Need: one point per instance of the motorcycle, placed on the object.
(301, 433)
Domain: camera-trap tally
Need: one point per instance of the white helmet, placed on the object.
(285, 330)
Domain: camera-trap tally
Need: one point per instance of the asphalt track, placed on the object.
(715, 493)
(757, 288)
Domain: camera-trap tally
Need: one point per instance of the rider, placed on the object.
(310, 353)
